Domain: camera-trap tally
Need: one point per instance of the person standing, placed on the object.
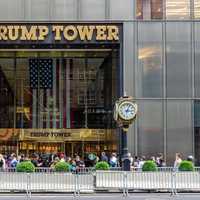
(2, 162)
(177, 161)
(113, 160)
(104, 157)
(14, 161)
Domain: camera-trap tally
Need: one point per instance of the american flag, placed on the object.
(50, 89)
(41, 73)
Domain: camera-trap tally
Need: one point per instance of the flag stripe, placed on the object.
(41, 108)
(45, 109)
(64, 93)
(41, 78)
(22, 104)
(54, 94)
(68, 94)
(57, 93)
(34, 114)
(48, 111)
(51, 108)
(61, 94)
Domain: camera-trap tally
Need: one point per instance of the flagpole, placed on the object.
(86, 100)
(22, 105)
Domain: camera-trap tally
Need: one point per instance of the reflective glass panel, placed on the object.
(197, 59)
(150, 130)
(93, 9)
(177, 9)
(178, 59)
(149, 9)
(149, 77)
(179, 129)
(196, 9)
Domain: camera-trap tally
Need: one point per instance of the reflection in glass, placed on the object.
(65, 92)
(150, 60)
(197, 60)
(149, 9)
(176, 9)
(196, 9)
(179, 128)
(150, 130)
(178, 59)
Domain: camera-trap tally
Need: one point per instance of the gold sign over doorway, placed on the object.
(60, 135)
(59, 32)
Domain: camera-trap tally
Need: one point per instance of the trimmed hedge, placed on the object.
(186, 166)
(102, 165)
(149, 166)
(62, 167)
(25, 166)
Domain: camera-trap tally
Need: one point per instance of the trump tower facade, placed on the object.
(64, 63)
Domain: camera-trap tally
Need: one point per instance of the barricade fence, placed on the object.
(168, 180)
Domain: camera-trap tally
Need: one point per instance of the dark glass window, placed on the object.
(41, 91)
(7, 91)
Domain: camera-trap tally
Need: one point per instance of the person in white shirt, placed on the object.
(177, 161)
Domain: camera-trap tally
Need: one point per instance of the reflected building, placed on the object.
(156, 60)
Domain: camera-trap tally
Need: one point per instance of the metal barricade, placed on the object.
(89, 181)
(138, 180)
(115, 180)
(52, 182)
(13, 181)
(187, 181)
(84, 182)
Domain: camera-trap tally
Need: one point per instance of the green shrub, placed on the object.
(62, 167)
(102, 165)
(186, 166)
(25, 166)
(149, 166)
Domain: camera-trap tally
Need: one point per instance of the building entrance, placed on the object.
(57, 101)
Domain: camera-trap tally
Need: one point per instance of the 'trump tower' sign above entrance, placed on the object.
(59, 32)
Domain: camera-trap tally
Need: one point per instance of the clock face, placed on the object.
(127, 110)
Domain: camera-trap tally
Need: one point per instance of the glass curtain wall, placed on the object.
(167, 78)
(149, 69)
(166, 9)
(165, 83)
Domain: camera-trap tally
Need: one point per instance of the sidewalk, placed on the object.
(104, 196)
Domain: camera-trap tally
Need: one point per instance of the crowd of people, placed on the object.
(49, 160)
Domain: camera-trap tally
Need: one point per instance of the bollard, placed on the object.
(125, 188)
(173, 184)
(28, 190)
(77, 189)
